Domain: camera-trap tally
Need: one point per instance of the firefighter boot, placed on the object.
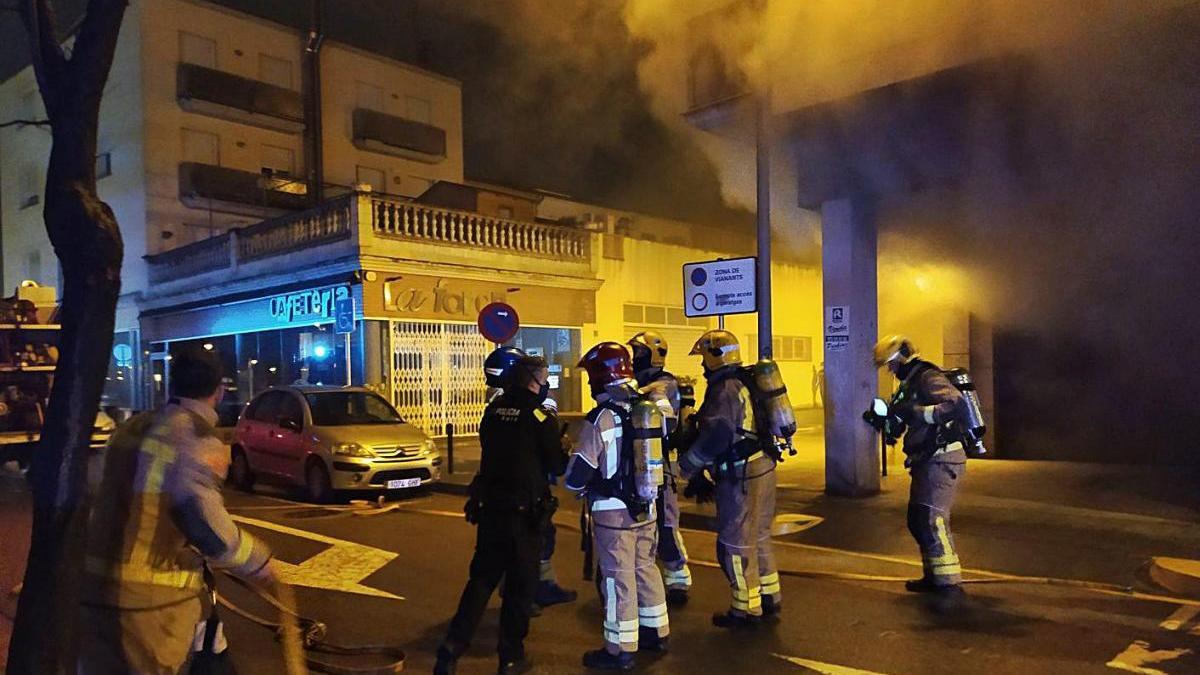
(550, 593)
(771, 609)
(922, 585)
(730, 620)
(949, 599)
(649, 641)
(602, 659)
(677, 597)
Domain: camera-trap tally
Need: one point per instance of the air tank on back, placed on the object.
(647, 425)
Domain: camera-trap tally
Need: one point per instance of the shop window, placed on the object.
(201, 147)
(635, 313)
(274, 70)
(198, 50)
(418, 109)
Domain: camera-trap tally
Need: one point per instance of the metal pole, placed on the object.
(449, 447)
(883, 452)
(763, 179)
(349, 362)
(721, 321)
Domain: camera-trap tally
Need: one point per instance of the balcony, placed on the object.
(225, 190)
(227, 96)
(363, 224)
(382, 133)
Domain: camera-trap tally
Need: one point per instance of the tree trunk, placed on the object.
(87, 241)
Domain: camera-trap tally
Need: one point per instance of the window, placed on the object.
(368, 96)
(373, 177)
(198, 50)
(335, 409)
(635, 313)
(656, 314)
(278, 160)
(267, 408)
(104, 165)
(787, 347)
(418, 109)
(290, 408)
(275, 71)
(201, 147)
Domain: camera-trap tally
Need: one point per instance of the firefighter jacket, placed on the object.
(598, 450)
(930, 401)
(520, 447)
(157, 512)
(725, 425)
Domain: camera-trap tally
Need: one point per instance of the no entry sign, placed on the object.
(498, 322)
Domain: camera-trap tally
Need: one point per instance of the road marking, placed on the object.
(790, 523)
(341, 567)
(824, 668)
(1180, 618)
(1137, 657)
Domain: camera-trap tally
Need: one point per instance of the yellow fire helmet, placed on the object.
(652, 342)
(894, 348)
(719, 348)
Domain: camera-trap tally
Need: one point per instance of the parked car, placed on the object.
(326, 439)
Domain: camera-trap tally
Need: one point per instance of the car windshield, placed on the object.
(342, 408)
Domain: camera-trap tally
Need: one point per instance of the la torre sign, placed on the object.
(437, 296)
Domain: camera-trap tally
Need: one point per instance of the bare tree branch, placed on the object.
(49, 61)
(25, 123)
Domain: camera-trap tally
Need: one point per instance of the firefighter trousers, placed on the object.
(745, 499)
(507, 545)
(671, 550)
(934, 487)
(631, 586)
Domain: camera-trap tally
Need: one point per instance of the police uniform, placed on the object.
(663, 389)
(157, 517)
(631, 586)
(745, 492)
(937, 466)
(510, 501)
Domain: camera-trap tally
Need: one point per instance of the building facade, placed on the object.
(204, 137)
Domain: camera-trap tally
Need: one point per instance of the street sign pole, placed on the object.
(766, 342)
(343, 324)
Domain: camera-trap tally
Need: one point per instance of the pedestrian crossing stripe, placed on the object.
(825, 668)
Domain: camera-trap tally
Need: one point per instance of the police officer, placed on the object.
(497, 368)
(631, 587)
(726, 444)
(649, 359)
(510, 502)
(926, 401)
(157, 518)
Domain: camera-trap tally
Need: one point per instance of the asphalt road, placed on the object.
(394, 577)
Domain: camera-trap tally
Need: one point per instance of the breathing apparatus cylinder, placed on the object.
(647, 424)
(973, 426)
(773, 399)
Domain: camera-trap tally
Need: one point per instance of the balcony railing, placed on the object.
(391, 218)
(228, 96)
(407, 220)
(379, 132)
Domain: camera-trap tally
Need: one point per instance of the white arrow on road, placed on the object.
(341, 567)
(825, 668)
(1138, 657)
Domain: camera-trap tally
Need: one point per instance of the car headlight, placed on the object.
(352, 450)
(429, 447)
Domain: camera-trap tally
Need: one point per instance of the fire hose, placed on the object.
(303, 637)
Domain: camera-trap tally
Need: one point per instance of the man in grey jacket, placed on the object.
(929, 404)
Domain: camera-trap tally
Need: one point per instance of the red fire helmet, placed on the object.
(606, 363)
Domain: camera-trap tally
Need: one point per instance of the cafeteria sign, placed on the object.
(317, 304)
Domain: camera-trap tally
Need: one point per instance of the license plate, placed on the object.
(403, 483)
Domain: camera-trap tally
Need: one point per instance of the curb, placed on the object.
(1178, 575)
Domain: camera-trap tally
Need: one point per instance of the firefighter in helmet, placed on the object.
(925, 401)
(623, 516)
(727, 446)
(661, 387)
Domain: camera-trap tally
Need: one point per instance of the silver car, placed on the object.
(327, 439)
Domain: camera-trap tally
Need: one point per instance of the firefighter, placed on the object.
(726, 445)
(623, 518)
(510, 502)
(649, 360)
(497, 369)
(157, 518)
(926, 400)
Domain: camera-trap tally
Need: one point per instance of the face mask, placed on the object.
(543, 391)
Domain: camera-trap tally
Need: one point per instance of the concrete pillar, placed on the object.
(848, 253)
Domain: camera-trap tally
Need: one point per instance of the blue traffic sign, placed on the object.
(498, 322)
(343, 316)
